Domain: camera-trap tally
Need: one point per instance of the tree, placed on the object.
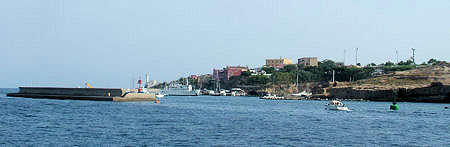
(268, 70)
(408, 62)
(289, 68)
(283, 77)
(432, 61)
(257, 80)
(232, 82)
(389, 63)
(301, 66)
(372, 64)
(436, 62)
(246, 73)
(305, 76)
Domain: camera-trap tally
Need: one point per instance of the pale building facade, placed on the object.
(278, 63)
(308, 61)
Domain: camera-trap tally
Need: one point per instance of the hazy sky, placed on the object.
(110, 42)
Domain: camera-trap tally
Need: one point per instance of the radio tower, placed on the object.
(413, 57)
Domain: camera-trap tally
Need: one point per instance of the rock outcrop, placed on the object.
(425, 84)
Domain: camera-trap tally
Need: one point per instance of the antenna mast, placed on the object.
(396, 52)
(356, 59)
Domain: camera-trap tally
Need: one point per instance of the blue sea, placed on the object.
(219, 121)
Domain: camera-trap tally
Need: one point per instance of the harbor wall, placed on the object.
(136, 97)
(113, 92)
(95, 94)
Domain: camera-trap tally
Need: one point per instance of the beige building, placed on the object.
(340, 64)
(308, 61)
(278, 63)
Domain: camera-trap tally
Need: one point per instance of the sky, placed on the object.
(111, 42)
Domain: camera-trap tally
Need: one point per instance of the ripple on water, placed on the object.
(219, 121)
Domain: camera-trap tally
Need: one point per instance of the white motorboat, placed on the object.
(272, 97)
(302, 94)
(159, 95)
(336, 105)
(237, 92)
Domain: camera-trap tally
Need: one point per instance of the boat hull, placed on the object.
(338, 108)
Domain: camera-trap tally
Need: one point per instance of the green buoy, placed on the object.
(394, 105)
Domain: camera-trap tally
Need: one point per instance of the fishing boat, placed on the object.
(336, 105)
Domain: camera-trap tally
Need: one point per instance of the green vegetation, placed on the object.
(246, 79)
(436, 62)
(257, 80)
(401, 66)
(269, 70)
(290, 74)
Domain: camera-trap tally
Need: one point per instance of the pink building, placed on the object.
(218, 74)
(194, 77)
(226, 73)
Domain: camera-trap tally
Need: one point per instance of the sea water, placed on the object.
(219, 121)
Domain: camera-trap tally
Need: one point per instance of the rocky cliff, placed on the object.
(424, 84)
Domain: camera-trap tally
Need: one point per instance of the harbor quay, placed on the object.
(94, 94)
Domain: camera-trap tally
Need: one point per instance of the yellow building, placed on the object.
(278, 63)
(308, 61)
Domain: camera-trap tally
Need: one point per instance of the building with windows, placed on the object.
(278, 63)
(341, 64)
(308, 61)
(218, 74)
(226, 73)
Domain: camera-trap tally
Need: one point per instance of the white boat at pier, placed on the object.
(272, 97)
(180, 90)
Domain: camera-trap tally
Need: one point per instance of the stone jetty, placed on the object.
(95, 94)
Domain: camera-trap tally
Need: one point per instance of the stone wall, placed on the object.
(433, 93)
(136, 97)
(368, 94)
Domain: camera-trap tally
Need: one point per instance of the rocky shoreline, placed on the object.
(426, 84)
(432, 93)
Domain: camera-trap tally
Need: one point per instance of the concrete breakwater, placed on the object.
(96, 94)
(433, 93)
